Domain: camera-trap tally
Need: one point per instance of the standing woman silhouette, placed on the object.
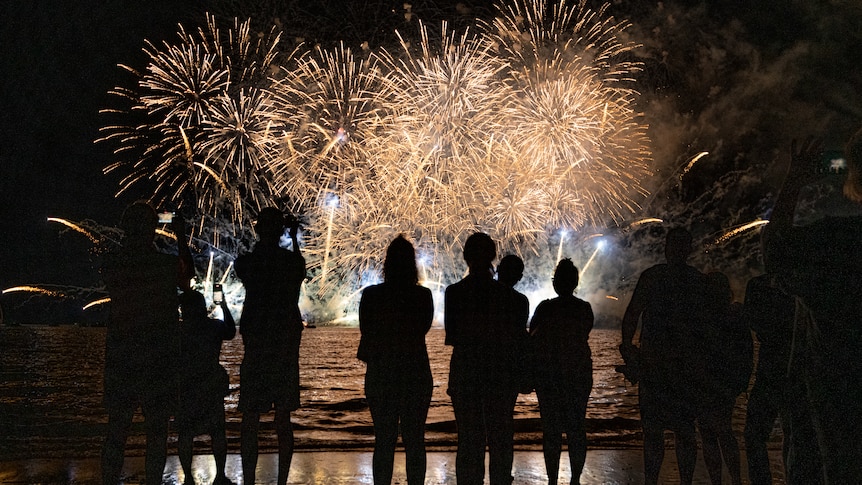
(561, 330)
(393, 319)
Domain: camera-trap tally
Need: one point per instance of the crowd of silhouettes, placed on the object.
(684, 341)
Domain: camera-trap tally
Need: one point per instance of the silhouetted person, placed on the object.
(821, 265)
(668, 302)
(271, 328)
(142, 339)
(728, 360)
(561, 330)
(393, 318)
(510, 270)
(778, 392)
(482, 372)
(203, 381)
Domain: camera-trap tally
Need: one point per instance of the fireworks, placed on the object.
(520, 128)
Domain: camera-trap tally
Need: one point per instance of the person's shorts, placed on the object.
(154, 389)
(665, 407)
(269, 376)
(201, 402)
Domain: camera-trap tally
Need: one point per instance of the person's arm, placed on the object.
(636, 307)
(293, 229)
(186, 265)
(801, 171)
(450, 316)
(538, 318)
(230, 323)
(367, 320)
(426, 310)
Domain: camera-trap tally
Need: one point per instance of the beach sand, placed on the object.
(620, 466)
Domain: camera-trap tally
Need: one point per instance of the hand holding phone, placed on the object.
(166, 217)
(218, 294)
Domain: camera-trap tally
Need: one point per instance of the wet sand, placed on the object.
(606, 467)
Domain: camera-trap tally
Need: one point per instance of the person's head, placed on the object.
(719, 286)
(479, 252)
(400, 264)
(194, 307)
(853, 155)
(139, 222)
(510, 270)
(269, 224)
(677, 245)
(566, 277)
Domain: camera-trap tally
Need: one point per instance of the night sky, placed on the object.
(736, 79)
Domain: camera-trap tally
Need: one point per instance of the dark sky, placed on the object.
(738, 78)
(58, 62)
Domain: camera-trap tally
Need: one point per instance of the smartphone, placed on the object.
(166, 217)
(218, 294)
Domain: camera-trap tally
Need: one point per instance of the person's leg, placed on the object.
(759, 421)
(185, 444)
(500, 430)
(834, 396)
(470, 457)
(728, 444)
(413, 434)
(248, 445)
(576, 435)
(552, 441)
(156, 424)
(686, 452)
(802, 464)
(218, 436)
(284, 430)
(653, 451)
(384, 416)
(113, 450)
(711, 448)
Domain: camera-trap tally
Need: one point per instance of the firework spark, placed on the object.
(75, 227)
(737, 231)
(34, 289)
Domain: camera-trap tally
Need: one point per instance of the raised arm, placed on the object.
(293, 228)
(229, 322)
(801, 171)
(636, 307)
(186, 265)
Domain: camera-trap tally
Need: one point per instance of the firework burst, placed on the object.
(201, 122)
(573, 109)
(518, 128)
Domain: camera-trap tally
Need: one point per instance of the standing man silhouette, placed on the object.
(820, 264)
(561, 329)
(667, 302)
(483, 371)
(142, 339)
(271, 328)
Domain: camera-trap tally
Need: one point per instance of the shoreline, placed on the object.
(71, 441)
(603, 466)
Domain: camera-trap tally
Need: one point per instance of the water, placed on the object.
(51, 392)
